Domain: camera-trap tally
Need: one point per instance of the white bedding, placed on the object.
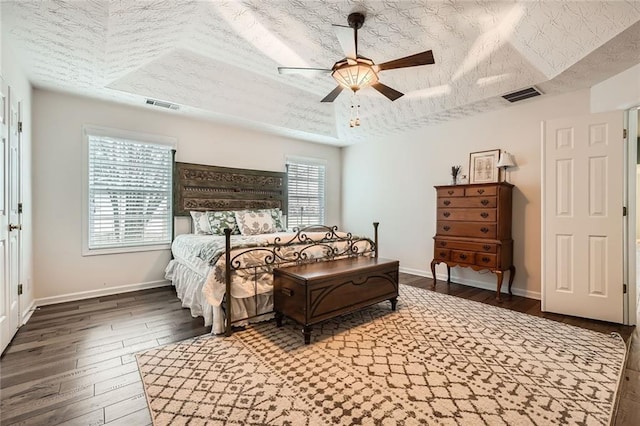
(198, 269)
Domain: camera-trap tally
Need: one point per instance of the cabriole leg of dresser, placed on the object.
(433, 271)
(512, 274)
(500, 276)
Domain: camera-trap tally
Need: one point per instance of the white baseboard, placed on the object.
(71, 297)
(29, 311)
(473, 283)
(418, 272)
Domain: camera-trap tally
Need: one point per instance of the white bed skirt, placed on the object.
(189, 283)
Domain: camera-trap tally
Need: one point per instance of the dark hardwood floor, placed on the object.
(73, 363)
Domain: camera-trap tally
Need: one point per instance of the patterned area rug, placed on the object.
(437, 360)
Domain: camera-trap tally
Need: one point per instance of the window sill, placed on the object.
(121, 250)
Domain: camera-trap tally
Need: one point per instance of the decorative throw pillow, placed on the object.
(255, 222)
(278, 220)
(218, 221)
(200, 223)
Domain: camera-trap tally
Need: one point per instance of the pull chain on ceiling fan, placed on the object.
(355, 72)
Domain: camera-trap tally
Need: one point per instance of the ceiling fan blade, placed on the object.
(333, 95)
(293, 70)
(424, 58)
(347, 38)
(390, 93)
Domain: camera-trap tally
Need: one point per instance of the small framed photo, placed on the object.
(483, 166)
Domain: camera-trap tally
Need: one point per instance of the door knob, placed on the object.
(12, 227)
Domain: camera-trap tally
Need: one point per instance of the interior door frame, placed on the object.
(630, 195)
(22, 298)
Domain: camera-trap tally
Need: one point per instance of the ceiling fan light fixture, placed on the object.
(355, 77)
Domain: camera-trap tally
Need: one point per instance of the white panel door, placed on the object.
(9, 303)
(583, 167)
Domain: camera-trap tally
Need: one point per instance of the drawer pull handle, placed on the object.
(450, 192)
(484, 214)
(484, 202)
(443, 243)
(480, 191)
(484, 230)
(446, 227)
(463, 256)
(486, 247)
(446, 214)
(443, 254)
(446, 202)
(286, 291)
(486, 259)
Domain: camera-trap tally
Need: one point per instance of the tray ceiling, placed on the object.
(218, 59)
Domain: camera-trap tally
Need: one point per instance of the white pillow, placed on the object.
(255, 222)
(200, 223)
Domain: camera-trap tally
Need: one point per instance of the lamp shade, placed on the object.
(506, 160)
(355, 76)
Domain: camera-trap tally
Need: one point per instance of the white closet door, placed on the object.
(583, 172)
(9, 238)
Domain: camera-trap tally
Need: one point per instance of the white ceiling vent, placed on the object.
(162, 104)
(520, 95)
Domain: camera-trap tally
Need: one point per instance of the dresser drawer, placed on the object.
(467, 215)
(465, 245)
(467, 229)
(481, 191)
(484, 259)
(466, 202)
(442, 254)
(463, 256)
(451, 191)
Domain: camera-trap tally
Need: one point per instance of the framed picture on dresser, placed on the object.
(483, 166)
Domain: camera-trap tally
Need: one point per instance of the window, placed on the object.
(305, 181)
(128, 191)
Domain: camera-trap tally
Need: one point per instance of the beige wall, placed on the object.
(391, 180)
(620, 92)
(62, 273)
(387, 179)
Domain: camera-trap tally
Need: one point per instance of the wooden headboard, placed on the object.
(200, 187)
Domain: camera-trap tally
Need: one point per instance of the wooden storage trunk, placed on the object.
(314, 292)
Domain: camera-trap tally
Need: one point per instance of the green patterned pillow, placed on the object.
(254, 222)
(218, 221)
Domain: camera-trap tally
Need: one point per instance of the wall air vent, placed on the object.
(162, 104)
(529, 92)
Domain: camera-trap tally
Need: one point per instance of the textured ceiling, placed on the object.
(218, 59)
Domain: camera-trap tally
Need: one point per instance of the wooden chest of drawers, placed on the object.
(473, 229)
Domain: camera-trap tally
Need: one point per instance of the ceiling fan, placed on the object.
(355, 72)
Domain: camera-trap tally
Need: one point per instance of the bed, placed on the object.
(225, 275)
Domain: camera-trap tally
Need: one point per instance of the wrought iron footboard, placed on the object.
(278, 254)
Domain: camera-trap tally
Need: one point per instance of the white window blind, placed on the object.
(305, 182)
(129, 193)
